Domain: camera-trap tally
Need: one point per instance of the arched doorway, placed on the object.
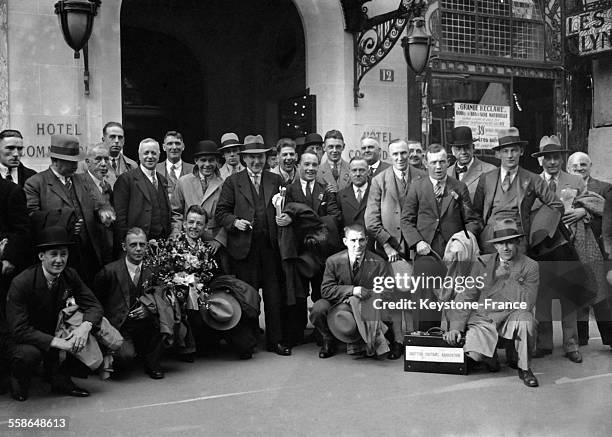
(205, 68)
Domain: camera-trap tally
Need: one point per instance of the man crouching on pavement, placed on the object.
(35, 298)
(347, 288)
(505, 304)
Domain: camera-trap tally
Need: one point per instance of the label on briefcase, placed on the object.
(430, 353)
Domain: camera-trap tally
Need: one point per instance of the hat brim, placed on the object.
(254, 151)
(548, 152)
(198, 154)
(52, 244)
(228, 324)
(230, 146)
(462, 144)
(336, 332)
(73, 158)
(514, 143)
(505, 238)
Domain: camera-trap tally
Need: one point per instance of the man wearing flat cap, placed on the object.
(505, 308)
(246, 212)
(58, 196)
(230, 148)
(467, 168)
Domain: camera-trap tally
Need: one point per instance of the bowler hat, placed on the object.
(462, 136)
(313, 138)
(505, 229)
(53, 236)
(221, 311)
(342, 323)
(550, 144)
(254, 144)
(229, 140)
(206, 147)
(508, 137)
(66, 148)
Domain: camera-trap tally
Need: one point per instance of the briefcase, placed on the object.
(428, 352)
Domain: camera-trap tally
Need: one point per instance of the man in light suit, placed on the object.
(11, 151)
(58, 196)
(370, 151)
(114, 137)
(141, 196)
(230, 148)
(173, 167)
(353, 199)
(467, 168)
(246, 212)
(335, 170)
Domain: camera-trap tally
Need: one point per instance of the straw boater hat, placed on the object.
(550, 144)
(52, 237)
(222, 311)
(503, 230)
(462, 136)
(66, 148)
(342, 324)
(206, 147)
(228, 141)
(508, 137)
(254, 144)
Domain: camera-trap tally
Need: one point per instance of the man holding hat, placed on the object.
(173, 167)
(58, 196)
(505, 307)
(35, 298)
(246, 212)
(510, 191)
(230, 148)
(467, 168)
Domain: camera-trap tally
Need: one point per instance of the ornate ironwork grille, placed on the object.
(509, 29)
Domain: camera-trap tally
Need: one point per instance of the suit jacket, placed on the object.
(14, 225)
(564, 180)
(112, 288)
(186, 169)
(187, 192)
(32, 309)
(381, 167)
(236, 201)
(531, 187)
(603, 189)
(45, 192)
(423, 219)
(324, 202)
(344, 177)
(133, 204)
(124, 165)
(472, 175)
(338, 281)
(384, 207)
(296, 175)
(225, 170)
(351, 210)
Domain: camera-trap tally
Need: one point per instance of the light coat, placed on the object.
(472, 175)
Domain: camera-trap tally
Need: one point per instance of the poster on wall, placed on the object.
(484, 120)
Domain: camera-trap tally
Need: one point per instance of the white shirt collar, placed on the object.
(548, 177)
(435, 181)
(286, 175)
(178, 166)
(252, 175)
(48, 276)
(148, 173)
(132, 267)
(398, 173)
(375, 165)
(469, 164)
(97, 181)
(363, 189)
(303, 182)
(59, 176)
(503, 171)
(9, 170)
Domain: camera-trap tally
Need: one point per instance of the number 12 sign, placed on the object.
(386, 75)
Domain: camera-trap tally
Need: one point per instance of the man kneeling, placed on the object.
(505, 304)
(346, 289)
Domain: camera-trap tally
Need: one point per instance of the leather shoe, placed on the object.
(397, 350)
(574, 356)
(70, 390)
(528, 378)
(279, 349)
(327, 349)
(492, 363)
(539, 353)
(19, 389)
(155, 373)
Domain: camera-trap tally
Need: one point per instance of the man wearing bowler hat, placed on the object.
(35, 298)
(510, 191)
(314, 142)
(58, 196)
(510, 277)
(467, 168)
(230, 148)
(246, 212)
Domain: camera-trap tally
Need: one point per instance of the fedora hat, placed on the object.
(206, 147)
(254, 144)
(229, 140)
(53, 236)
(66, 148)
(342, 323)
(313, 138)
(221, 311)
(508, 137)
(550, 144)
(462, 136)
(505, 229)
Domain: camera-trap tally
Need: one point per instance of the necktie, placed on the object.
(506, 183)
(68, 184)
(114, 164)
(136, 278)
(359, 195)
(404, 182)
(355, 268)
(51, 283)
(204, 182)
(308, 192)
(552, 184)
(9, 176)
(154, 179)
(172, 173)
(256, 182)
(371, 171)
(106, 188)
(438, 191)
(234, 170)
(335, 173)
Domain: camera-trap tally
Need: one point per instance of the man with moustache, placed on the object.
(287, 160)
(230, 148)
(11, 151)
(353, 199)
(335, 170)
(173, 167)
(114, 137)
(370, 151)
(467, 168)
(141, 196)
(415, 155)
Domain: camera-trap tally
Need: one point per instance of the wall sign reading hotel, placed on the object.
(37, 141)
(484, 120)
(593, 30)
